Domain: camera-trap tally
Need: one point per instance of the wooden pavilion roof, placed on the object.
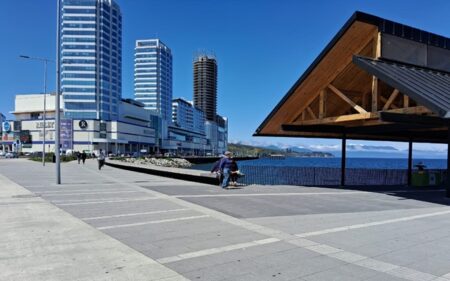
(351, 90)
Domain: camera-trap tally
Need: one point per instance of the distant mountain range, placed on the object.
(249, 150)
(353, 151)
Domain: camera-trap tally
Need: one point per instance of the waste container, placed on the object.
(420, 179)
(426, 178)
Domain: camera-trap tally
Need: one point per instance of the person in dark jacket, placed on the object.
(83, 157)
(78, 154)
(225, 165)
(216, 169)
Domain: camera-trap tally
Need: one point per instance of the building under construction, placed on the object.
(205, 85)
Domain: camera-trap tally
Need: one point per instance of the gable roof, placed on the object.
(382, 25)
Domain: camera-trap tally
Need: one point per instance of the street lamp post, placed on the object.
(58, 90)
(45, 61)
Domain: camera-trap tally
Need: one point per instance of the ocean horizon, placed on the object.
(335, 162)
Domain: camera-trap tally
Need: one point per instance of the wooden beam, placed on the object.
(338, 119)
(374, 94)
(346, 99)
(322, 104)
(361, 116)
(377, 45)
(411, 110)
(383, 99)
(376, 54)
(303, 115)
(311, 112)
(405, 101)
(390, 99)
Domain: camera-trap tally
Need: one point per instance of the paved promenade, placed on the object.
(121, 225)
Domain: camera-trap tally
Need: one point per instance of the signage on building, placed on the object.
(6, 127)
(83, 124)
(25, 138)
(7, 136)
(48, 124)
(66, 129)
(49, 135)
(103, 130)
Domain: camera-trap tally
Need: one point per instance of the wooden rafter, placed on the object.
(383, 99)
(391, 99)
(322, 104)
(311, 112)
(375, 82)
(405, 101)
(362, 116)
(346, 99)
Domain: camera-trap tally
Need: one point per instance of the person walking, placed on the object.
(101, 159)
(225, 165)
(78, 156)
(83, 156)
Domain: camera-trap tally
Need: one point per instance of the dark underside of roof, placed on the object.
(428, 87)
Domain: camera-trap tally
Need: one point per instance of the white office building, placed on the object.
(186, 116)
(153, 77)
(132, 132)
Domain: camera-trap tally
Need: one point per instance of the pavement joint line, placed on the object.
(93, 199)
(102, 202)
(73, 190)
(152, 222)
(369, 224)
(133, 214)
(270, 194)
(62, 185)
(211, 251)
(87, 193)
(365, 262)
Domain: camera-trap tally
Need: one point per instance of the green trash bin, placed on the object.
(420, 178)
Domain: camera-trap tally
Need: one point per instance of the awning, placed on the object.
(429, 87)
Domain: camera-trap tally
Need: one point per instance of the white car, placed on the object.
(2, 153)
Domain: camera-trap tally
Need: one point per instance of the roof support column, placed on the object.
(410, 146)
(343, 156)
(447, 181)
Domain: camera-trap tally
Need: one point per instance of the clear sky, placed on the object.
(262, 47)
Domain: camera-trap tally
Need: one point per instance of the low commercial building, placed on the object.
(132, 132)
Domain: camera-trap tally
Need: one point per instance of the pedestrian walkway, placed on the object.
(201, 232)
(42, 242)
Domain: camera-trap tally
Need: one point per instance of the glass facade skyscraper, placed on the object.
(153, 76)
(91, 58)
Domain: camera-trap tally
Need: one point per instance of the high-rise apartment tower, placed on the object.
(153, 76)
(205, 85)
(91, 58)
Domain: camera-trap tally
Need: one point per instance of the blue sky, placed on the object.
(262, 47)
